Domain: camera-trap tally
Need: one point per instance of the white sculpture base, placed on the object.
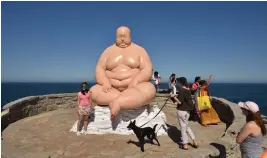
(100, 123)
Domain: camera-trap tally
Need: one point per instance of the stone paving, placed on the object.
(47, 136)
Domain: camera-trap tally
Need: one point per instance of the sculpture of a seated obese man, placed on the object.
(123, 74)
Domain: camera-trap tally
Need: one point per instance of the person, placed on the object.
(83, 108)
(156, 78)
(123, 73)
(172, 83)
(207, 116)
(172, 87)
(195, 85)
(194, 88)
(251, 136)
(183, 113)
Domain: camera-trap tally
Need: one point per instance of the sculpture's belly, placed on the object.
(122, 67)
(120, 85)
(121, 76)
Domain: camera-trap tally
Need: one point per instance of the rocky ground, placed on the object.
(47, 135)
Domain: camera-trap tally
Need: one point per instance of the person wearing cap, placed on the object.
(251, 136)
(183, 112)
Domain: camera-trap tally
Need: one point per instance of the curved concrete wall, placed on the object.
(33, 105)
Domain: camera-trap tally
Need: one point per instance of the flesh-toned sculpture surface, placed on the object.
(123, 74)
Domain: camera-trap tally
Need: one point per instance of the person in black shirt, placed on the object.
(183, 112)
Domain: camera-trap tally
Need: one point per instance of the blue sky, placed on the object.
(61, 41)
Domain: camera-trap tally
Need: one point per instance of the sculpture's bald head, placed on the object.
(123, 37)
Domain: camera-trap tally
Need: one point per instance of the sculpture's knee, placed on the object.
(103, 98)
(94, 90)
(147, 90)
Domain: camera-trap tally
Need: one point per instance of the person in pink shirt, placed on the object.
(83, 108)
(195, 85)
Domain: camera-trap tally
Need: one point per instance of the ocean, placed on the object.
(234, 92)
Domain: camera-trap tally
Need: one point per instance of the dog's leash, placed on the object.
(158, 112)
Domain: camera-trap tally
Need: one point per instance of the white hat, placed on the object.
(249, 105)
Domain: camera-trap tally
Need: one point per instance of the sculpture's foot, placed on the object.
(114, 110)
(132, 98)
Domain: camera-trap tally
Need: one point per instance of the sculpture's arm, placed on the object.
(100, 70)
(145, 68)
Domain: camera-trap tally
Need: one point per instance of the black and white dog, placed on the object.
(142, 132)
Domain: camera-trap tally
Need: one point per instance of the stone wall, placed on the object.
(33, 105)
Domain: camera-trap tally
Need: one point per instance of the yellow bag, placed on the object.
(203, 102)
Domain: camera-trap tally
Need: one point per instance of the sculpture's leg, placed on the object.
(131, 98)
(101, 98)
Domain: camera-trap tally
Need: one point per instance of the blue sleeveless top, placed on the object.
(251, 147)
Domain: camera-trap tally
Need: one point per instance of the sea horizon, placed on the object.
(234, 92)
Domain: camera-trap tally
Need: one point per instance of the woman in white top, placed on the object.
(156, 79)
(172, 86)
(172, 83)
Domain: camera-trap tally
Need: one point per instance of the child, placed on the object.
(83, 108)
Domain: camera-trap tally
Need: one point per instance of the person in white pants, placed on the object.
(172, 87)
(183, 113)
(172, 84)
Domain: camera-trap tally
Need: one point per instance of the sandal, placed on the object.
(195, 145)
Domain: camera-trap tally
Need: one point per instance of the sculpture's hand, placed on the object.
(106, 87)
(133, 83)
